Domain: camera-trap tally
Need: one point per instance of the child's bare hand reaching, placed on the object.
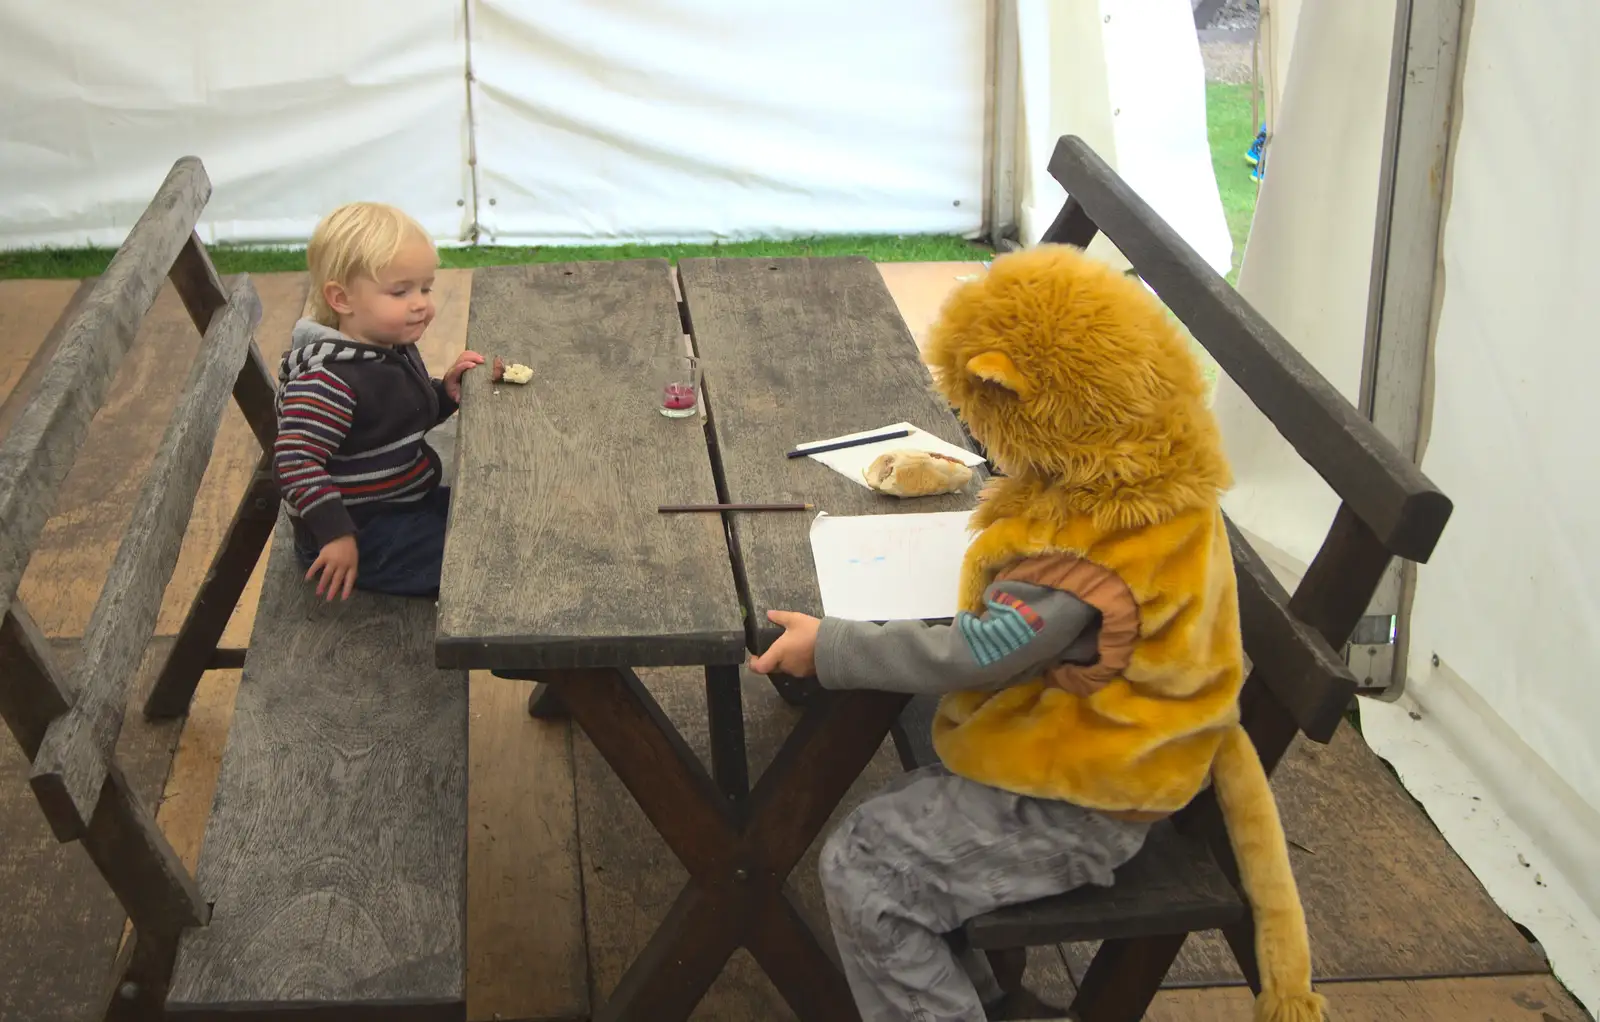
(337, 564)
(452, 380)
(794, 653)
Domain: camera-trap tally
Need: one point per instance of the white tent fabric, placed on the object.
(1125, 76)
(635, 120)
(700, 120)
(667, 120)
(1495, 736)
(295, 106)
(1514, 414)
(1511, 606)
(1308, 263)
(1274, 46)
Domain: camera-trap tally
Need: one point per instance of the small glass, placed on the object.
(680, 387)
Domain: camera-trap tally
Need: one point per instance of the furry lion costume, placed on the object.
(1091, 404)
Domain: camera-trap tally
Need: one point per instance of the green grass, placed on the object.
(73, 263)
(1231, 130)
(1228, 123)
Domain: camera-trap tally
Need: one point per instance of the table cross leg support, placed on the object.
(794, 691)
(543, 703)
(730, 762)
(737, 861)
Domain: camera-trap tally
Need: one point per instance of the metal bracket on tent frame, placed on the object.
(1371, 652)
(1402, 300)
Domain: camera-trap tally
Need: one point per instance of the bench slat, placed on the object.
(1172, 886)
(335, 855)
(71, 764)
(197, 282)
(123, 839)
(1389, 492)
(1293, 661)
(40, 448)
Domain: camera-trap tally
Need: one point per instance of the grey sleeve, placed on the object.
(1023, 630)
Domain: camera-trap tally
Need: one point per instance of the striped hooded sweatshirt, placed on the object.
(351, 422)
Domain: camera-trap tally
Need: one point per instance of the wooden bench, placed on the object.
(332, 879)
(1185, 878)
(335, 855)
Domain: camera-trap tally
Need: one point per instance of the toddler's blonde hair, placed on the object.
(359, 239)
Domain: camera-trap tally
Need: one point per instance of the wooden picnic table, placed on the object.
(559, 565)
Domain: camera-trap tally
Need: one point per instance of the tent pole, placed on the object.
(1004, 83)
(1402, 299)
(471, 229)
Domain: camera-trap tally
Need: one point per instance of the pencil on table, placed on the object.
(673, 508)
(839, 445)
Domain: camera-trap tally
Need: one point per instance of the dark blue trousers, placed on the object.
(400, 552)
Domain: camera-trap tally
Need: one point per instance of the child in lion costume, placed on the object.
(1090, 685)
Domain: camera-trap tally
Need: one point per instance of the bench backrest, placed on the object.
(68, 723)
(1388, 507)
(1297, 682)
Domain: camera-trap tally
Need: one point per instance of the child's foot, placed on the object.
(1252, 155)
(1258, 172)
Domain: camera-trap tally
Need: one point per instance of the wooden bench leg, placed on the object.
(123, 839)
(1009, 965)
(192, 653)
(1124, 978)
(735, 896)
(141, 978)
(730, 763)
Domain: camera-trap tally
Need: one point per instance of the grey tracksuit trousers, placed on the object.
(932, 850)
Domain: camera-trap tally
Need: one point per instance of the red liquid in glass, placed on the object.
(677, 396)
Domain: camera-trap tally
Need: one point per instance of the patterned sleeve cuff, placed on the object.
(329, 521)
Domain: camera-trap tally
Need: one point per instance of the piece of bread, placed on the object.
(514, 373)
(913, 473)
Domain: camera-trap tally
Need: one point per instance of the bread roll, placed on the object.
(913, 473)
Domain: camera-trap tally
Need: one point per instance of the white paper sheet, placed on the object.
(890, 567)
(852, 462)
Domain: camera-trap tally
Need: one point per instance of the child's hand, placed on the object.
(452, 379)
(337, 563)
(795, 651)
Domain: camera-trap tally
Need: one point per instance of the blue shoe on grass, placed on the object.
(1252, 155)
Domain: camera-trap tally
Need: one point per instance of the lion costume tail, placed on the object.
(1283, 951)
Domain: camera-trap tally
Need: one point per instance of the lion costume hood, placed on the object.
(1089, 401)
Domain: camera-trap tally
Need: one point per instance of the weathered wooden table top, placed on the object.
(557, 556)
(798, 350)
